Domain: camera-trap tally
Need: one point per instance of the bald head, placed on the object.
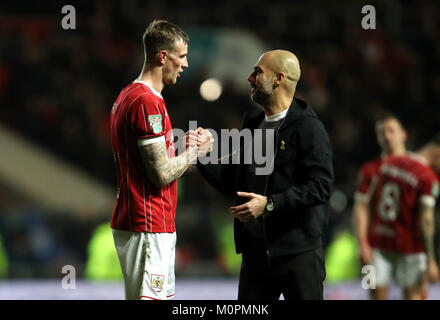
(274, 80)
(283, 61)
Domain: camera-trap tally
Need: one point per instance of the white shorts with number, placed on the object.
(147, 262)
(409, 269)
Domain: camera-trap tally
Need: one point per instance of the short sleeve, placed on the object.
(364, 180)
(146, 119)
(429, 189)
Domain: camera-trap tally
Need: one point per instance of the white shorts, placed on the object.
(147, 263)
(409, 269)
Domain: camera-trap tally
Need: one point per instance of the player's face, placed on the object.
(391, 136)
(261, 81)
(176, 62)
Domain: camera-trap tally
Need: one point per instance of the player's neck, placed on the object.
(277, 105)
(398, 152)
(153, 77)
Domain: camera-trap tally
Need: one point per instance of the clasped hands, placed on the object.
(247, 212)
(201, 139)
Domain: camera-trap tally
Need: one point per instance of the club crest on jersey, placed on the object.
(155, 121)
(157, 282)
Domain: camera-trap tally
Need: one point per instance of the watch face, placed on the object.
(269, 206)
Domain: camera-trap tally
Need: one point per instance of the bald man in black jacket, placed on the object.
(280, 215)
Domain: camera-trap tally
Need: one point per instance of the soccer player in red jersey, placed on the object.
(401, 227)
(143, 219)
(391, 137)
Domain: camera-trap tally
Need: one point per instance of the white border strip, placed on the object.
(428, 200)
(146, 141)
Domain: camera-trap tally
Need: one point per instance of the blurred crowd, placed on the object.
(57, 86)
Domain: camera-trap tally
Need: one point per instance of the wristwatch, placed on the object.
(270, 206)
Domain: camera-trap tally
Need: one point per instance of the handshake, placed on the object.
(201, 139)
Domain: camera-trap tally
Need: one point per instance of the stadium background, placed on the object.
(57, 176)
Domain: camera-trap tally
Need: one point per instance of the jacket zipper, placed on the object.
(268, 253)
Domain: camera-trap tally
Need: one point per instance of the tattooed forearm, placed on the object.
(161, 169)
(427, 227)
(180, 164)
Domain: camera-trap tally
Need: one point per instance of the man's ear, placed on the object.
(405, 135)
(279, 78)
(162, 57)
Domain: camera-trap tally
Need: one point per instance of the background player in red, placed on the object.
(391, 137)
(402, 225)
(401, 230)
(143, 219)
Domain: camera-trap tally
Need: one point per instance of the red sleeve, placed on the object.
(429, 188)
(364, 179)
(146, 118)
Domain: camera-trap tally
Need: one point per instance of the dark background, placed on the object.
(57, 88)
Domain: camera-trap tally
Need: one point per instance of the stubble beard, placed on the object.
(261, 96)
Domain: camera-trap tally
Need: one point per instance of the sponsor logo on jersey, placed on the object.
(385, 231)
(396, 172)
(157, 282)
(155, 121)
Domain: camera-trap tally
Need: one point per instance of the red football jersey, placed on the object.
(365, 178)
(140, 112)
(403, 183)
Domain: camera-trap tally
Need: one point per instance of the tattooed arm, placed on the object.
(163, 170)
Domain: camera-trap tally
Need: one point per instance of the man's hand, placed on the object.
(191, 139)
(250, 210)
(201, 139)
(206, 142)
(433, 273)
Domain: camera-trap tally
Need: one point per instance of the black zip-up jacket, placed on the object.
(299, 185)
